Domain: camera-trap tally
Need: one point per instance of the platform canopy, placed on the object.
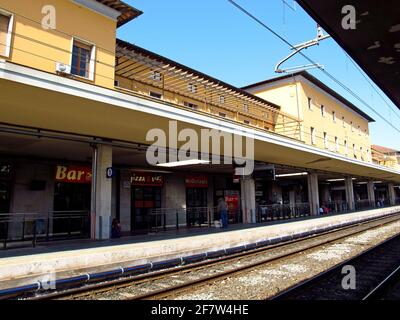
(375, 42)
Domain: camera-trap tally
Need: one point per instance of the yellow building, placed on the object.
(328, 120)
(386, 157)
(77, 106)
(74, 38)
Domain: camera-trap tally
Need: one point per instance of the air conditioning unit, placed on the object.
(62, 68)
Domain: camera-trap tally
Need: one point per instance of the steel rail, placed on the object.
(375, 293)
(94, 289)
(188, 286)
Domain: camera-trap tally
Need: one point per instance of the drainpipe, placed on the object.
(93, 192)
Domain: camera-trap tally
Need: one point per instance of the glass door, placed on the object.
(143, 200)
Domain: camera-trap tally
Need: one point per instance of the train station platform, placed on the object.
(69, 259)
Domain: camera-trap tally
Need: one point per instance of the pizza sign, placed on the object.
(147, 179)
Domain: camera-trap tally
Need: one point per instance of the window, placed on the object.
(267, 128)
(336, 144)
(359, 131)
(223, 115)
(312, 135)
(245, 107)
(155, 95)
(323, 110)
(265, 114)
(155, 75)
(246, 121)
(82, 64)
(309, 104)
(334, 116)
(351, 125)
(6, 24)
(326, 144)
(190, 105)
(346, 148)
(343, 122)
(221, 99)
(361, 153)
(354, 151)
(192, 88)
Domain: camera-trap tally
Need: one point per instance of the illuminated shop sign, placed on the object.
(196, 181)
(147, 179)
(72, 174)
(5, 170)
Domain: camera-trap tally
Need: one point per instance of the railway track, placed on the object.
(377, 271)
(171, 282)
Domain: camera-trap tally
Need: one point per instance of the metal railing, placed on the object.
(163, 219)
(282, 211)
(35, 227)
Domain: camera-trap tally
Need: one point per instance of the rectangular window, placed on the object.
(343, 122)
(246, 121)
(6, 24)
(346, 148)
(326, 144)
(155, 95)
(82, 60)
(323, 110)
(351, 125)
(192, 88)
(223, 115)
(155, 75)
(359, 131)
(190, 105)
(336, 144)
(312, 135)
(309, 101)
(354, 151)
(221, 99)
(245, 107)
(334, 116)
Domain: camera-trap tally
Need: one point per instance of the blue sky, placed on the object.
(214, 37)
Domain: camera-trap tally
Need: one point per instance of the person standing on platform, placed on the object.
(223, 212)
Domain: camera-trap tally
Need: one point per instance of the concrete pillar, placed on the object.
(392, 194)
(313, 193)
(325, 194)
(371, 193)
(349, 193)
(101, 192)
(248, 199)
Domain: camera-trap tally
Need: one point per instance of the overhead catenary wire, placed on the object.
(372, 86)
(333, 78)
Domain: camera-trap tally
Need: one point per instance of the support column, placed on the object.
(371, 193)
(248, 199)
(313, 193)
(392, 194)
(101, 193)
(349, 193)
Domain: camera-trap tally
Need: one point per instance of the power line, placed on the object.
(246, 12)
(372, 85)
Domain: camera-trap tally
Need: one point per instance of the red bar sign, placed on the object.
(196, 181)
(73, 174)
